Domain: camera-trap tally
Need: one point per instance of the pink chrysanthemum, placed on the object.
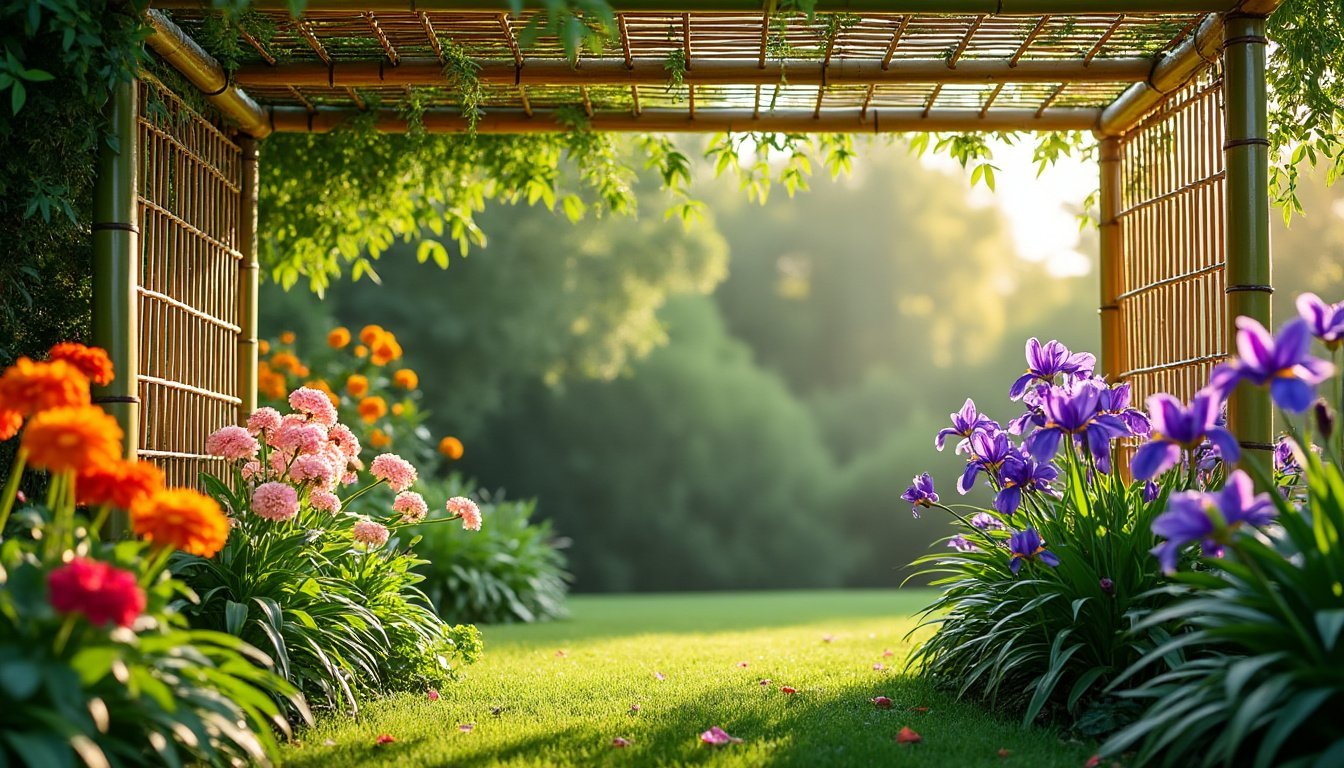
(263, 419)
(396, 471)
(312, 469)
(460, 506)
(325, 501)
(299, 437)
(252, 470)
(411, 506)
(275, 501)
(232, 443)
(370, 534)
(314, 403)
(344, 440)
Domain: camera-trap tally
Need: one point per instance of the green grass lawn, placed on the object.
(557, 694)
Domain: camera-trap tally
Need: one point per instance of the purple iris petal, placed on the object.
(1047, 361)
(1021, 474)
(1177, 428)
(961, 544)
(920, 493)
(1209, 518)
(1325, 321)
(1151, 491)
(986, 522)
(1283, 362)
(965, 422)
(1152, 459)
(989, 449)
(1027, 545)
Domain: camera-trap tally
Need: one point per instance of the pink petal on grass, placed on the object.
(828, 638)
(881, 702)
(659, 676)
(562, 653)
(888, 653)
(634, 707)
(742, 664)
(620, 742)
(433, 695)
(1093, 762)
(1003, 753)
(907, 736)
(467, 727)
(879, 666)
(717, 737)
(766, 683)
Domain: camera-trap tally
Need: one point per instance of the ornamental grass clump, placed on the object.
(98, 664)
(317, 571)
(1251, 674)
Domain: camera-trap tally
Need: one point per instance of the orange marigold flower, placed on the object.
(372, 409)
(117, 483)
(269, 383)
(398, 409)
(357, 385)
(93, 362)
(379, 439)
(361, 351)
(286, 361)
(370, 334)
(322, 386)
(406, 379)
(385, 350)
(338, 337)
(10, 422)
(263, 347)
(74, 438)
(287, 337)
(29, 387)
(183, 519)
(451, 447)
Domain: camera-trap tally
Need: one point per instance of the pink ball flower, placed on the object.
(411, 506)
(314, 403)
(232, 443)
(275, 501)
(251, 470)
(460, 506)
(349, 478)
(267, 419)
(396, 471)
(325, 501)
(370, 534)
(312, 469)
(344, 440)
(299, 437)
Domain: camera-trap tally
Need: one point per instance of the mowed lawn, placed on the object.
(657, 670)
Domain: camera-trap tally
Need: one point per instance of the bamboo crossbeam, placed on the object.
(988, 7)
(298, 120)
(650, 71)
(183, 53)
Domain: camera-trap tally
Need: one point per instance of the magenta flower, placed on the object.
(1176, 428)
(1209, 518)
(1075, 410)
(1021, 474)
(1326, 321)
(717, 737)
(965, 422)
(1283, 362)
(920, 494)
(1045, 362)
(989, 450)
(1026, 545)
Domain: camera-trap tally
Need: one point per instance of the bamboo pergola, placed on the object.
(1173, 89)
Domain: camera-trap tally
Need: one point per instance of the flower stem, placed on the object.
(63, 635)
(11, 491)
(361, 492)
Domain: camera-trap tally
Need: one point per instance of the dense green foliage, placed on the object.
(533, 707)
(512, 570)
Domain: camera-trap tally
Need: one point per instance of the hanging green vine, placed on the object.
(463, 74)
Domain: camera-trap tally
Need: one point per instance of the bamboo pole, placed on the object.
(187, 57)
(988, 7)
(650, 71)
(1250, 413)
(299, 120)
(1113, 358)
(248, 279)
(116, 256)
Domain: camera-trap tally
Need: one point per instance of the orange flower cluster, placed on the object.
(71, 438)
(381, 344)
(338, 338)
(93, 362)
(29, 387)
(118, 483)
(379, 439)
(183, 519)
(270, 384)
(451, 447)
(288, 361)
(357, 385)
(372, 409)
(406, 379)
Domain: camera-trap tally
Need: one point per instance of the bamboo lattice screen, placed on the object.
(1173, 314)
(189, 196)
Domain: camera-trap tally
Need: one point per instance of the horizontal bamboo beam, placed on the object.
(649, 71)
(299, 120)
(989, 7)
(1171, 72)
(184, 55)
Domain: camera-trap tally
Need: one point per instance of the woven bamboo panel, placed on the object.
(1172, 306)
(190, 176)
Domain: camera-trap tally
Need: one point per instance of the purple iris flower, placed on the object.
(1034, 415)
(1046, 361)
(920, 494)
(1284, 362)
(1027, 545)
(1076, 410)
(1115, 401)
(1209, 518)
(1285, 461)
(1176, 428)
(988, 452)
(961, 544)
(1023, 474)
(1325, 321)
(1150, 492)
(965, 422)
(987, 522)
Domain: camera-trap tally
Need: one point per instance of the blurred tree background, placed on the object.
(740, 403)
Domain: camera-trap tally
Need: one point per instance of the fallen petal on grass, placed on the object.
(717, 737)
(1003, 753)
(907, 736)
(742, 664)
(787, 689)
(888, 653)
(433, 695)
(879, 666)
(634, 707)
(620, 742)
(467, 727)
(881, 702)
(659, 676)
(384, 739)
(920, 710)
(1093, 762)
(766, 683)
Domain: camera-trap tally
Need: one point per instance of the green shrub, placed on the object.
(512, 570)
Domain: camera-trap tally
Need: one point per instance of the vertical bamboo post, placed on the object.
(116, 262)
(247, 281)
(1250, 414)
(1113, 358)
